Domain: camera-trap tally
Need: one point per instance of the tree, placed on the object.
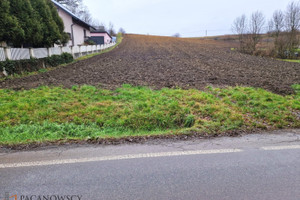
(10, 30)
(292, 21)
(111, 29)
(240, 28)
(84, 14)
(78, 8)
(256, 25)
(71, 5)
(50, 29)
(177, 35)
(249, 32)
(121, 30)
(276, 28)
(293, 17)
(284, 27)
(277, 22)
(32, 23)
(28, 21)
(64, 36)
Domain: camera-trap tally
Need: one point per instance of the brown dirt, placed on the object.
(169, 62)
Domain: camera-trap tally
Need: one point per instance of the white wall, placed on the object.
(78, 30)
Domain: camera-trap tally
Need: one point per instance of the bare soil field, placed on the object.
(169, 62)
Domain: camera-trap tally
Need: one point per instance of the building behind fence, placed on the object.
(27, 53)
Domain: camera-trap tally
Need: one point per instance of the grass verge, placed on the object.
(290, 60)
(53, 113)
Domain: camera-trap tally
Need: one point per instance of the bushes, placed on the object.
(56, 60)
(20, 66)
(90, 42)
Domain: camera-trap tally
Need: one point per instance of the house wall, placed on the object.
(68, 21)
(78, 30)
(107, 39)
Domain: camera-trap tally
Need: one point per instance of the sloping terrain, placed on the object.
(169, 62)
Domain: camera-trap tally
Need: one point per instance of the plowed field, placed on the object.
(169, 62)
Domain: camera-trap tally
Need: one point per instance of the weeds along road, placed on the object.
(169, 62)
(259, 166)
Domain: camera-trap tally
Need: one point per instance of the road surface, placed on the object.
(257, 166)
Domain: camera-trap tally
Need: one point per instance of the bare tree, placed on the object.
(278, 19)
(240, 25)
(270, 27)
(276, 28)
(292, 21)
(71, 5)
(292, 17)
(84, 14)
(283, 26)
(111, 29)
(177, 35)
(78, 8)
(122, 31)
(256, 24)
(240, 28)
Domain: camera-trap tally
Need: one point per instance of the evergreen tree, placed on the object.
(10, 31)
(28, 21)
(64, 36)
(50, 29)
(34, 23)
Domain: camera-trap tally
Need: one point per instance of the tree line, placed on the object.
(33, 23)
(283, 28)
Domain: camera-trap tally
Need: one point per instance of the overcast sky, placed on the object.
(190, 18)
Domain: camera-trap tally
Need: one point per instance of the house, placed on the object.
(78, 30)
(100, 36)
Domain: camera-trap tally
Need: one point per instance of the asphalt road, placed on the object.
(260, 166)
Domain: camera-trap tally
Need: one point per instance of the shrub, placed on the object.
(90, 42)
(20, 66)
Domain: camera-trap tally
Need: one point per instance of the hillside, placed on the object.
(169, 62)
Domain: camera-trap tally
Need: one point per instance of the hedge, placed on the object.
(34, 64)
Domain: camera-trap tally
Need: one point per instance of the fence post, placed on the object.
(80, 53)
(72, 51)
(31, 53)
(49, 52)
(7, 53)
(61, 50)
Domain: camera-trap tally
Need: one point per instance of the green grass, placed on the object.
(290, 60)
(54, 113)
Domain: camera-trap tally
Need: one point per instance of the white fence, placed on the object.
(19, 54)
(27, 53)
(2, 54)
